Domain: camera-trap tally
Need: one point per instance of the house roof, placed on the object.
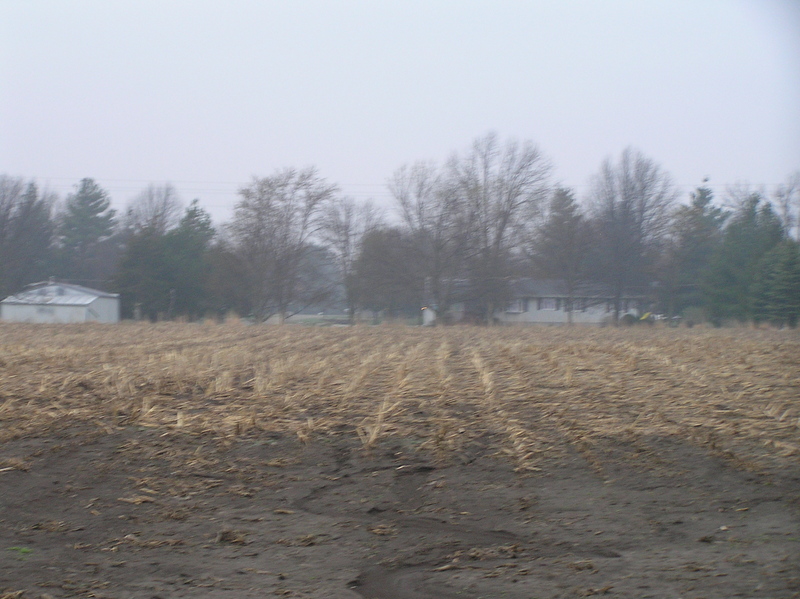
(48, 293)
(556, 288)
(527, 287)
(537, 288)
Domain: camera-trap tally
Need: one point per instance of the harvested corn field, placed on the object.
(143, 461)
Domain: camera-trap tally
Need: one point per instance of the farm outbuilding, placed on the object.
(54, 302)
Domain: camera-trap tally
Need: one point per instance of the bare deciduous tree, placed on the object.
(501, 187)
(787, 200)
(271, 231)
(345, 223)
(156, 209)
(26, 233)
(432, 211)
(631, 204)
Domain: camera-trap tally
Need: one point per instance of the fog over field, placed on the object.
(207, 95)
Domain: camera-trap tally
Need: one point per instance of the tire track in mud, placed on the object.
(423, 548)
(408, 577)
(405, 583)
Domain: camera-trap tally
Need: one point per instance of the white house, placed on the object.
(54, 302)
(546, 302)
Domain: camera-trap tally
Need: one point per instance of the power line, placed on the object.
(378, 192)
(145, 182)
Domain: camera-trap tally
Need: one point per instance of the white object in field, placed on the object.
(53, 302)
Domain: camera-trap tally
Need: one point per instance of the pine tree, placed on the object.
(560, 250)
(728, 286)
(165, 272)
(187, 248)
(776, 290)
(697, 232)
(86, 222)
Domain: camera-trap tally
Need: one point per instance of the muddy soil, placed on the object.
(136, 513)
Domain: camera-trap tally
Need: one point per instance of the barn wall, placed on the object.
(104, 309)
(51, 314)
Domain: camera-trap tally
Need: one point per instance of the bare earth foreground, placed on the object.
(178, 460)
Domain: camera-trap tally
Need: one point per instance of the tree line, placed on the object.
(462, 231)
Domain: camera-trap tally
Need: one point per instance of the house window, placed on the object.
(518, 306)
(548, 303)
(515, 307)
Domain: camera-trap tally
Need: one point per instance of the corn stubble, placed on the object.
(530, 393)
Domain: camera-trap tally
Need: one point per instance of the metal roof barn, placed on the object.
(60, 303)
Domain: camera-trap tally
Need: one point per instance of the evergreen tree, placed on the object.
(227, 284)
(87, 221)
(165, 273)
(187, 247)
(561, 246)
(776, 289)
(696, 232)
(752, 232)
(143, 278)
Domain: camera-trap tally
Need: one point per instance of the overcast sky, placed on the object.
(207, 94)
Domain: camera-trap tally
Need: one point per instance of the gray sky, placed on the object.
(207, 94)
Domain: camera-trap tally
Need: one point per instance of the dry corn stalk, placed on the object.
(729, 390)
